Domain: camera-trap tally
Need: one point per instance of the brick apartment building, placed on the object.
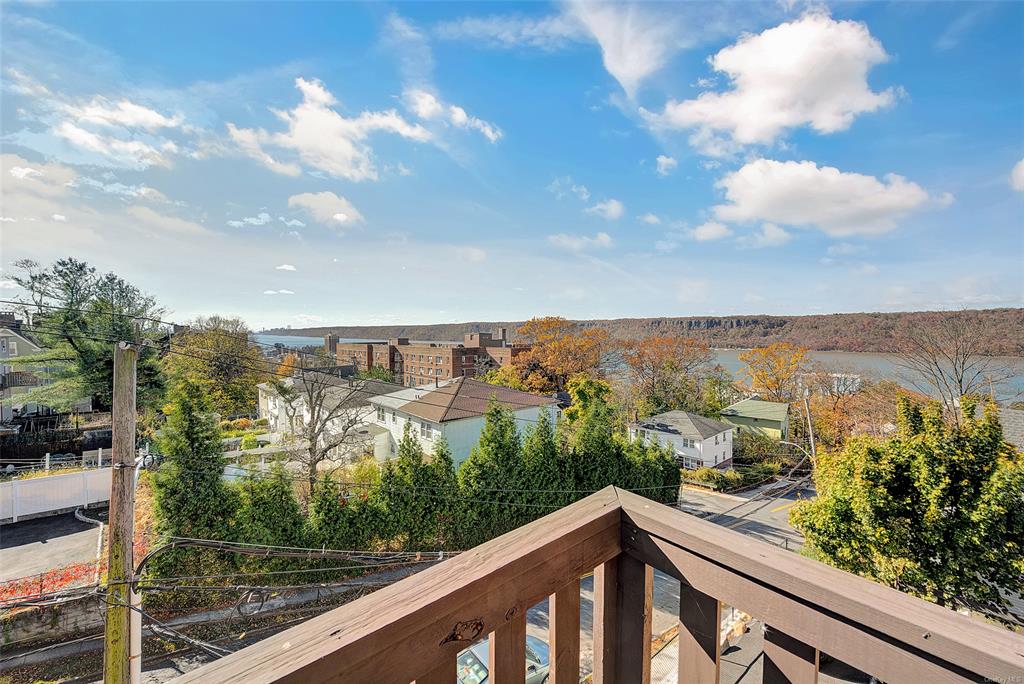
(425, 363)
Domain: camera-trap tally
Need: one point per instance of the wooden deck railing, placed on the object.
(413, 630)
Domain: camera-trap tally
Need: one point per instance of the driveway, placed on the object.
(34, 546)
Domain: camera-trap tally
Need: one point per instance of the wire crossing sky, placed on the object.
(347, 163)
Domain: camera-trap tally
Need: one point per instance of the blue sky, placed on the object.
(305, 164)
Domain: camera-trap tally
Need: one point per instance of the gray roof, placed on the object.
(1012, 421)
(684, 424)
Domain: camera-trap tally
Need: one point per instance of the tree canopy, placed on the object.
(935, 511)
(775, 370)
(216, 354)
(79, 314)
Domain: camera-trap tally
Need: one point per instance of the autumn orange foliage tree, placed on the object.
(774, 371)
(560, 349)
(666, 371)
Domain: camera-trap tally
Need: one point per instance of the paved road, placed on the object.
(34, 546)
(758, 512)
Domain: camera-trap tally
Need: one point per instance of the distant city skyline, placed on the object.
(411, 163)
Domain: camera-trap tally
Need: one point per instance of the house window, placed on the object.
(716, 440)
(438, 372)
(643, 435)
(394, 418)
(426, 430)
(380, 413)
(14, 348)
(438, 359)
(421, 372)
(689, 462)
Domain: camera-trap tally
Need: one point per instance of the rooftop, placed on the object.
(756, 408)
(459, 398)
(684, 424)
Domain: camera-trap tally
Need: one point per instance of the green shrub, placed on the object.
(249, 442)
(261, 422)
(241, 424)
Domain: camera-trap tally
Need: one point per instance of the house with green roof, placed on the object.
(769, 418)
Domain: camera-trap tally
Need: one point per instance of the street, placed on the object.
(756, 512)
(34, 546)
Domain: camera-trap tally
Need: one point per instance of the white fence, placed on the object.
(36, 496)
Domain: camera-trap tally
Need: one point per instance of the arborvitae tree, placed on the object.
(191, 498)
(596, 458)
(407, 495)
(445, 508)
(332, 521)
(490, 476)
(269, 514)
(935, 511)
(543, 467)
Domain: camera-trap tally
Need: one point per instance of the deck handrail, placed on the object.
(414, 629)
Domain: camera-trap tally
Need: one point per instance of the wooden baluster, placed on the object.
(633, 647)
(700, 620)
(788, 660)
(442, 674)
(606, 621)
(564, 634)
(507, 651)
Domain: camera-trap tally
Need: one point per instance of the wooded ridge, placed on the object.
(853, 332)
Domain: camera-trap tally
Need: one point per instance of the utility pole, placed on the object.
(810, 433)
(120, 564)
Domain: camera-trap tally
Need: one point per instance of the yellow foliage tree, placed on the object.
(774, 370)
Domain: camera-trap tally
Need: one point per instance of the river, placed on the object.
(867, 365)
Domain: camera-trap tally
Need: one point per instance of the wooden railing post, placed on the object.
(507, 651)
(564, 634)
(442, 674)
(700, 620)
(606, 620)
(633, 647)
(788, 660)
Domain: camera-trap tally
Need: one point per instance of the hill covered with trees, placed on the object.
(853, 332)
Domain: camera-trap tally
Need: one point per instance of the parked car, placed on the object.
(471, 667)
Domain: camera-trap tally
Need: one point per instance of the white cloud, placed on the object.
(426, 105)
(610, 210)
(811, 71)
(473, 255)
(8, 285)
(635, 40)
(709, 231)
(307, 319)
(327, 208)
(121, 190)
(562, 186)
(291, 222)
(260, 219)
(579, 243)
(651, 219)
(1017, 176)
(124, 113)
(59, 217)
(866, 269)
(844, 249)
(131, 153)
(285, 267)
(278, 292)
(8, 219)
(666, 165)
(164, 224)
(322, 138)
(770, 235)
(552, 32)
(25, 172)
(806, 195)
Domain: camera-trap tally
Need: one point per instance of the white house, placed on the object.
(698, 441)
(456, 410)
(17, 380)
(345, 400)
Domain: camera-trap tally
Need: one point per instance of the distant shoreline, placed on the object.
(857, 333)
